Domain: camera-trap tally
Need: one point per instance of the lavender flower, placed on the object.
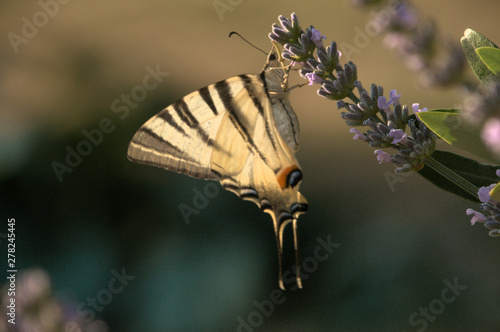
(358, 134)
(415, 108)
(386, 118)
(439, 61)
(393, 100)
(398, 135)
(316, 37)
(383, 157)
(314, 78)
(289, 32)
(491, 207)
(477, 216)
(38, 309)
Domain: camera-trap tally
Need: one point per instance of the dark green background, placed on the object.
(396, 247)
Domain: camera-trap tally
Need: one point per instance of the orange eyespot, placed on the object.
(289, 177)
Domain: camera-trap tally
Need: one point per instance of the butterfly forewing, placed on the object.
(181, 137)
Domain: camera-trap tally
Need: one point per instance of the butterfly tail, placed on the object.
(279, 228)
(297, 253)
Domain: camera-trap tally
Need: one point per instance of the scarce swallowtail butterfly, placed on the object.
(241, 131)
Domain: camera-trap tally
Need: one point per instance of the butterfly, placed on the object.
(242, 132)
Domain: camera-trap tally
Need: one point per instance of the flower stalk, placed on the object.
(385, 123)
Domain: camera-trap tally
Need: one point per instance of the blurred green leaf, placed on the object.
(450, 127)
(477, 173)
(495, 192)
(490, 56)
(471, 41)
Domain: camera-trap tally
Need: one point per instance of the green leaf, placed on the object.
(475, 172)
(495, 192)
(450, 127)
(471, 41)
(490, 56)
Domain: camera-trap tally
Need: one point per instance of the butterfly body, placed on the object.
(241, 131)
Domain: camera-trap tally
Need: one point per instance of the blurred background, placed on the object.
(111, 230)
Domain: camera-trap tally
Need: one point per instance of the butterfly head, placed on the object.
(275, 72)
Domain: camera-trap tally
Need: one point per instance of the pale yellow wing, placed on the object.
(182, 137)
(242, 132)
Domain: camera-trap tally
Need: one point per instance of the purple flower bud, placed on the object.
(394, 97)
(316, 37)
(416, 109)
(383, 157)
(314, 78)
(398, 135)
(484, 193)
(478, 217)
(357, 134)
(382, 103)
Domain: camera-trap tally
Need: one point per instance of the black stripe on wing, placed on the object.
(156, 138)
(207, 98)
(226, 96)
(165, 115)
(294, 209)
(160, 145)
(182, 110)
(248, 192)
(265, 205)
(260, 107)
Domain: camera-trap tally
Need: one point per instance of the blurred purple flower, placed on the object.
(317, 37)
(484, 193)
(314, 78)
(383, 157)
(491, 134)
(478, 216)
(357, 134)
(394, 97)
(398, 135)
(416, 109)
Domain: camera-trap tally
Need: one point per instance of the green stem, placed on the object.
(452, 176)
(352, 97)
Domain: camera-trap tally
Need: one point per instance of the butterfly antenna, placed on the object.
(249, 43)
